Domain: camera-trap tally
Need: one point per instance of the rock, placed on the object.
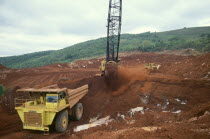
(149, 129)
(178, 100)
(178, 111)
(134, 110)
(123, 117)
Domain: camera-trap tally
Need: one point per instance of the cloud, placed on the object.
(37, 25)
(204, 22)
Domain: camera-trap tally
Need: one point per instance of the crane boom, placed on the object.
(109, 66)
(114, 30)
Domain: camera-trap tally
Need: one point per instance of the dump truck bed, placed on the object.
(76, 94)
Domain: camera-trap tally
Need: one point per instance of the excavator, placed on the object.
(109, 66)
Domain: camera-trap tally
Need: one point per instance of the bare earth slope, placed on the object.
(175, 98)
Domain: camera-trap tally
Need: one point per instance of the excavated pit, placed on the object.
(175, 106)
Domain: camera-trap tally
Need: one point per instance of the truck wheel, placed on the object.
(61, 122)
(78, 111)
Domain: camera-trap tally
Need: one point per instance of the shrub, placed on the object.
(2, 90)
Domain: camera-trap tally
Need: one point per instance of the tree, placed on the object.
(2, 90)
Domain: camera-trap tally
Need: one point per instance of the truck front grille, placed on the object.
(32, 119)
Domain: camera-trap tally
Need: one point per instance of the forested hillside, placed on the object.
(197, 38)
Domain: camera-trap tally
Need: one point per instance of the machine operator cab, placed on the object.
(55, 100)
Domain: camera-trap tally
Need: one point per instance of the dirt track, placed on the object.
(175, 98)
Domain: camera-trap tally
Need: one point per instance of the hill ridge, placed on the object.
(197, 38)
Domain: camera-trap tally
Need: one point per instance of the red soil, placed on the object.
(162, 89)
(190, 67)
(3, 68)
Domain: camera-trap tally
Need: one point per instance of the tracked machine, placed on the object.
(109, 66)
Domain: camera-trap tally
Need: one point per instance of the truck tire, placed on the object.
(61, 122)
(77, 111)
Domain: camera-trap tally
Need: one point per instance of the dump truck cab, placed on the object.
(45, 106)
(56, 101)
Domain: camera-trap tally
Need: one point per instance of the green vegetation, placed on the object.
(2, 90)
(196, 38)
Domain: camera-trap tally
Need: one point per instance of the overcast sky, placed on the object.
(36, 25)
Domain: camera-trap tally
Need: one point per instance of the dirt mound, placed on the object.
(101, 95)
(80, 64)
(10, 123)
(190, 67)
(92, 63)
(183, 52)
(172, 104)
(51, 74)
(137, 59)
(158, 92)
(3, 68)
(8, 100)
(166, 100)
(127, 59)
(57, 65)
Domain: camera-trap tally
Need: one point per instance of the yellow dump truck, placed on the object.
(47, 106)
